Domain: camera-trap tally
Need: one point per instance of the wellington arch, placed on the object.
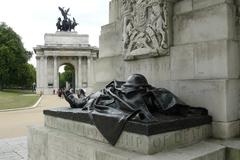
(64, 48)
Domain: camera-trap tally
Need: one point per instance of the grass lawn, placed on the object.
(10, 99)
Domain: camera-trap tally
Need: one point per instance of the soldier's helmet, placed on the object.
(136, 80)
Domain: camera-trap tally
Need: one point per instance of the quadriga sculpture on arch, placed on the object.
(66, 24)
(110, 108)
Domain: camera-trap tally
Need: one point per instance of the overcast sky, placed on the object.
(31, 19)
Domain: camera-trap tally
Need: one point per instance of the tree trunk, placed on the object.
(1, 84)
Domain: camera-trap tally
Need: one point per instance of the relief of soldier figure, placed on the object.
(66, 24)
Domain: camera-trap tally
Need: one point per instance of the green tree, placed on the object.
(6, 58)
(13, 59)
(66, 76)
(26, 75)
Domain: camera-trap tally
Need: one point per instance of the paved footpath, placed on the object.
(14, 124)
(13, 149)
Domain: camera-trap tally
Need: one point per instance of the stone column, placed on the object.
(84, 71)
(76, 78)
(90, 71)
(45, 85)
(55, 73)
(37, 71)
(41, 73)
(79, 72)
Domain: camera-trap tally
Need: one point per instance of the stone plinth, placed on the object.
(65, 38)
(46, 143)
(146, 138)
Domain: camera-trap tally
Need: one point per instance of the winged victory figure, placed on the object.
(64, 12)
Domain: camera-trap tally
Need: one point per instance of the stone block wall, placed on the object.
(110, 40)
(114, 10)
(205, 60)
(203, 64)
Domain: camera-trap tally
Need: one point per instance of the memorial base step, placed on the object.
(132, 141)
(147, 138)
(232, 147)
(50, 144)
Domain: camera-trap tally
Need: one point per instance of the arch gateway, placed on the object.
(64, 48)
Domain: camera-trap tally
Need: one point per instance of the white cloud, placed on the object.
(31, 19)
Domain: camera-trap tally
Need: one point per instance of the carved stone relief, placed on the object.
(145, 28)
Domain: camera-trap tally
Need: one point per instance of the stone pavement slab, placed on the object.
(13, 149)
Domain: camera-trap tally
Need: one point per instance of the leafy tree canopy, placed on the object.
(14, 69)
(66, 76)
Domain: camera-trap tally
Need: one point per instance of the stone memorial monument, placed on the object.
(189, 47)
(200, 62)
(131, 115)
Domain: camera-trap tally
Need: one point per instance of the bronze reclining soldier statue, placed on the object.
(111, 107)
